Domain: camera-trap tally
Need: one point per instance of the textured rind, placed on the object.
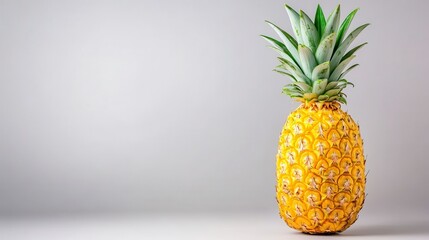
(320, 170)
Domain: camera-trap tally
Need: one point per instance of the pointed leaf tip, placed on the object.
(319, 20)
(310, 35)
(287, 39)
(294, 20)
(344, 27)
(332, 23)
(340, 51)
(338, 8)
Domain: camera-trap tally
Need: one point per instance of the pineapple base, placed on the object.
(320, 169)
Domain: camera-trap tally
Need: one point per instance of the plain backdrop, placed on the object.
(171, 106)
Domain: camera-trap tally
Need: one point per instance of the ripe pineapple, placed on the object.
(320, 162)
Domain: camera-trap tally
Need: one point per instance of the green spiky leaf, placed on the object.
(294, 19)
(332, 22)
(280, 48)
(326, 48)
(285, 73)
(286, 37)
(339, 53)
(353, 50)
(303, 86)
(344, 27)
(319, 86)
(289, 42)
(331, 85)
(295, 71)
(343, 83)
(307, 60)
(292, 87)
(310, 36)
(309, 96)
(292, 92)
(317, 59)
(319, 20)
(333, 92)
(323, 97)
(321, 71)
(339, 69)
(348, 70)
(282, 53)
(277, 44)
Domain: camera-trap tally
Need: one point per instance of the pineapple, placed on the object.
(320, 161)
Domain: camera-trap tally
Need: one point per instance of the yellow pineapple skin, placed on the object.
(320, 169)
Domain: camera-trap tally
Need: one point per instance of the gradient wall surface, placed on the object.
(171, 106)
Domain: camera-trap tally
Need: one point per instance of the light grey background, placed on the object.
(153, 106)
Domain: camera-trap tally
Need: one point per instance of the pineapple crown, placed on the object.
(317, 58)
